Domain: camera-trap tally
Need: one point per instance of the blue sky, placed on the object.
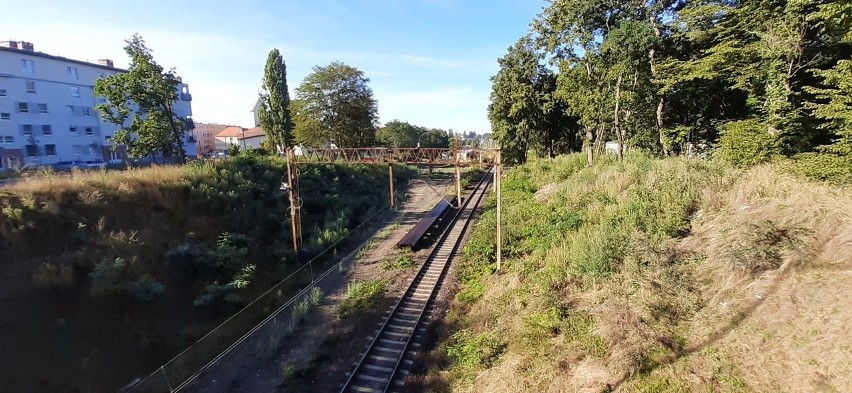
(429, 61)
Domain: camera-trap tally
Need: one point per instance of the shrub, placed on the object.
(107, 277)
(225, 292)
(747, 142)
(230, 254)
(472, 352)
(596, 251)
(362, 296)
(187, 256)
(144, 290)
(832, 168)
(403, 260)
(55, 276)
(758, 247)
(311, 300)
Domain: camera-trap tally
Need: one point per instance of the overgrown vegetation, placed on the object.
(620, 276)
(362, 296)
(403, 259)
(167, 252)
(759, 80)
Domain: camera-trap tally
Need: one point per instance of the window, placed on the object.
(101, 75)
(32, 150)
(70, 109)
(75, 92)
(5, 116)
(50, 150)
(72, 130)
(90, 131)
(23, 107)
(27, 66)
(86, 111)
(30, 87)
(72, 73)
(7, 139)
(2, 92)
(42, 108)
(108, 139)
(46, 130)
(27, 129)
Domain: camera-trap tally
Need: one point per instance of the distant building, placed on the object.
(47, 109)
(244, 138)
(205, 135)
(254, 110)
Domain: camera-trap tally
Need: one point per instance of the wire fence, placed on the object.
(276, 310)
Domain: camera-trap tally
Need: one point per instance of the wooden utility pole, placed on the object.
(458, 181)
(497, 185)
(390, 174)
(295, 214)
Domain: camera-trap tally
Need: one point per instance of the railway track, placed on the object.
(383, 365)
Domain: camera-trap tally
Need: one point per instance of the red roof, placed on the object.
(240, 133)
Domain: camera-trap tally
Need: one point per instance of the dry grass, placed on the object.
(125, 181)
(684, 276)
(783, 323)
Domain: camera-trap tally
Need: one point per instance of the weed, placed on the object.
(144, 289)
(758, 247)
(403, 260)
(362, 296)
(470, 352)
(107, 277)
(57, 276)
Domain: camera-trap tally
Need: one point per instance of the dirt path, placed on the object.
(320, 350)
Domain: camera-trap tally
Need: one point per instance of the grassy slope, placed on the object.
(54, 232)
(655, 275)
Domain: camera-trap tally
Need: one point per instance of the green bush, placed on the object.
(747, 142)
(362, 296)
(836, 169)
(596, 251)
(403, 260)
(230, 254)
(107, 277)
(144, 290)
(57, 276)
(226, 292)
(471, 351)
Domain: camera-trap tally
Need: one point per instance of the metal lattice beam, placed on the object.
(383, 155)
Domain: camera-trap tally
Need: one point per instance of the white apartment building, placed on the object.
(47, 109)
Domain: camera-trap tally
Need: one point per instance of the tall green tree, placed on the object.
(571, 31)
(833, 96)
(625, 50)
(398, 133)
(524, 111)
(274, 108)
(145, 95)
(336, 106)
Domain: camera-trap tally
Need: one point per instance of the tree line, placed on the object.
(754, 79)
(334, 106)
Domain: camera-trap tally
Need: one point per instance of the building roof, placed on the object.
(210, 128)
(254, 132)
(240, 133)
(47, 56)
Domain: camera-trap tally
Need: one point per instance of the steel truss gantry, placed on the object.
(456, 157)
